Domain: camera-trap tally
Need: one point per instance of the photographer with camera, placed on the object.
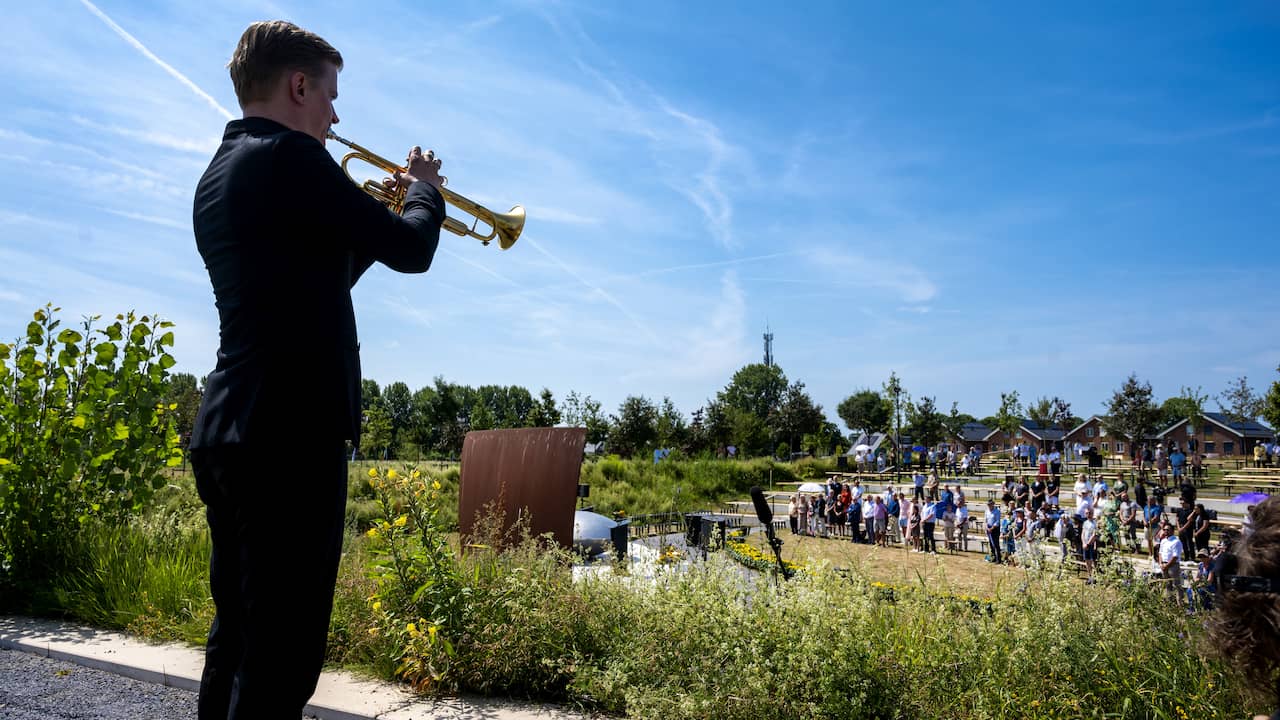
(1246, 628)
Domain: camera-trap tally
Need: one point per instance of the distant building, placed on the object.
(1029, 431)
(1219, 436)
(971, 434)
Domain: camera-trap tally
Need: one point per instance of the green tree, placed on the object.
(376, 433)
(795, 416)
(896, 396)
(181, 390)
(955, 421)
(1131, 412)
(370, 394)
(671, 428)
(747, 432)
(544, 412)
(481, 417)
(1239, 402)
(1009, 417)
(84, 436)
(1060, 415)
(1041, 412)
(1271, 405)
(584, 412)
(924, 422)
(865, 412)
(1187, 405)
(635, 428)
(397, 403)
(756, 389)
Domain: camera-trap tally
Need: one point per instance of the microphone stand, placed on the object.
(765, 514)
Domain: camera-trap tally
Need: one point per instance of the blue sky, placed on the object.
(979, 197)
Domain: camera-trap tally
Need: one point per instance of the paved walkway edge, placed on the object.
(339, 695)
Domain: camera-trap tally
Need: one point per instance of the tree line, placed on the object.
(758, 412)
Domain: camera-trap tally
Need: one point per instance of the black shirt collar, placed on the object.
(253, 126)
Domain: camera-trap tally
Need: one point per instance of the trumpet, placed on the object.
(505, 227)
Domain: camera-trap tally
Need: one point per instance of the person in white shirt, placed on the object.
(1100, 488)
(856, 490)
(1170, 557)
(1081, 487)
(1060, 533)
(962, 522)
(1089, 542)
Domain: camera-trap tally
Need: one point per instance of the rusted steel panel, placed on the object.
(531, 471)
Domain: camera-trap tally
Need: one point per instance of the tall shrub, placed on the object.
(83, 434)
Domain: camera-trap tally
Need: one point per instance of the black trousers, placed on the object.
(277, 530)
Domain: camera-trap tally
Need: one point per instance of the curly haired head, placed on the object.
(1246, 629)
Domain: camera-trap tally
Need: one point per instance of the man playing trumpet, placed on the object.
(284, 235)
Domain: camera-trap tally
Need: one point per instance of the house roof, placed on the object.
(1248, 428)
(1035, 430)
(1042, 432)
(974, 432)
(1099, 418)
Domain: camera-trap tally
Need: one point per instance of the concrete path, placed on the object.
(339, 696)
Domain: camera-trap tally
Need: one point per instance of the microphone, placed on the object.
(765, 514)
(763, 511)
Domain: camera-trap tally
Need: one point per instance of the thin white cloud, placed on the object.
(124, 34)
(908, 282)
(194, 146)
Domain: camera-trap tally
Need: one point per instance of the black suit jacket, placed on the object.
(285, 235)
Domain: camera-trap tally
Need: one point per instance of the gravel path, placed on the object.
(39, 688)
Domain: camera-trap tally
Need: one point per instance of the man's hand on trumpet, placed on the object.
(424, 167)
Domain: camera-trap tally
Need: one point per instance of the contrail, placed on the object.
(600, 291)
(152, 57)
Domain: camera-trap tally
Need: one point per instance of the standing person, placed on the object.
(805, 527)
(917, 482)
(1052, 492)
(892, 508)
(993, 530)
(1038, 490)
(913, 527)
(285, 234)
(1055, 462)
(928, 521)
(1170, 557)
(1060, 532)
(962, 524)
(1089, 542)
(881, 523)
(1200, 529)
(793, 513)
(1151, 523)
(1129, 522)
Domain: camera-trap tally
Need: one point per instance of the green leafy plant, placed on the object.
(83, 433)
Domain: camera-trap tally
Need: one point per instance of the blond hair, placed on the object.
(272, 47)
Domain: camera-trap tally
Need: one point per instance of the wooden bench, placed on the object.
(1266, 484)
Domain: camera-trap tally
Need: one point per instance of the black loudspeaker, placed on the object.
(842, 462)
(692, 530)
(620, 534)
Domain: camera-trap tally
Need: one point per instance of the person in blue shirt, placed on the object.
(993, 530)
(1151, 522)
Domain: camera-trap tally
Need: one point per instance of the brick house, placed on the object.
(971, 434)
(1029, 431)
(1219, 436)
(1094, 432)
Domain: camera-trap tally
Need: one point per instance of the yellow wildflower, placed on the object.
(392, 474)
(400, 521)
(435, 484)
(373, 472)
(377, 605)
(372, 532)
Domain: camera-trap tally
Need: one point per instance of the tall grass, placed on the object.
(150, 578)
(640, 487)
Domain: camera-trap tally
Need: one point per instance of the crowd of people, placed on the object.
(1015, 528)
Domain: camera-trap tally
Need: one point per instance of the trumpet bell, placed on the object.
(509, 225)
